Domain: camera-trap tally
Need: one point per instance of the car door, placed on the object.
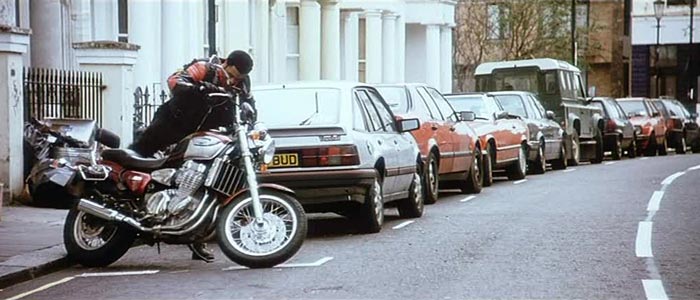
(551, 130)
(381, 141)
(458, 133)
(658, 120)
(443, 135)
(504, 133)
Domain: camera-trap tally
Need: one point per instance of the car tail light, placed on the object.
(330, 156)
(610, 126)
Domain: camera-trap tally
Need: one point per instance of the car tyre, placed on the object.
(561, 162)
(539, 166)
(599, 151)
(617, 149)
(681, 144)
(652, 146)
(473, 182)
(632, 150)
(575, 151)
(487, 168)
(518, 170)
(432, 179)
(371, 214)
(663, 147)
(413, 206)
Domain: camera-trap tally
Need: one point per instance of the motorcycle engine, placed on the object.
(173, 206)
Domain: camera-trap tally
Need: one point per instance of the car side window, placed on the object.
(429, 101)
(384, 113)
(532, 108)
(539, 106)
(419, 106)
(445, 108)
(374, 122)
(491, 106)
(360, 118)
(620, 112)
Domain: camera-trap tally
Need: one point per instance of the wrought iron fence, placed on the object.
(145, 106)
(51, 93)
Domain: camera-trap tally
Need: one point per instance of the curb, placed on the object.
(31, 265)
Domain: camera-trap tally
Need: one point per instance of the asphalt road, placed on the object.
(573, 234)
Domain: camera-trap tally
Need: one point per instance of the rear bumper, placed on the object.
(322, 187)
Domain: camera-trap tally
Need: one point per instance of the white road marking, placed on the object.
(643, 243)
(654, 289)
(41, 288)
(671, 178)
(655, 201)
(569, 170)
(610, 163)
(470, 198)
(404, 224)
(694, 168)
(128, 273)
(317, 263)
(644, 158)
(520, 181)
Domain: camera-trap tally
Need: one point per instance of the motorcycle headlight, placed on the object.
(267, 151)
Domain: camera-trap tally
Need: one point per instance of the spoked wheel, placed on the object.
(432, 183)
(472, 183)
(370, 216)
(517, 171)
(268, 243)
(412, 207)
(94, 242)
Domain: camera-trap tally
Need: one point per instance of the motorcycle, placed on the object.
(206, 186)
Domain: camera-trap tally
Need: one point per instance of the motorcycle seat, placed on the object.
(132, 160)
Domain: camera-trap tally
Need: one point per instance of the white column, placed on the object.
(174, 54)
(401, 49)
(115, 62)
(234, 19)
(278, 42)
(13, 43)
(80, 13)
(47, 36)
(145, 25)
(330, 39)
(389, 48)
(261, 58)
(350, 46)
(309, 40)
(105, 20)
(446, 59)
(432, 55)
(373, 46)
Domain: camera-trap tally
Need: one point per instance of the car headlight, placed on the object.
(267, 150)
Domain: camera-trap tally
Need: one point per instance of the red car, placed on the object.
(503, 135)
(649, 125)
(449, 147)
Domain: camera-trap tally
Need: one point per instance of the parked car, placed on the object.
(618, 131)
(676, 123)
(559, 86)
(449, 148)
(546, 137)
(503, 135)
(340, 148)
(650, 127)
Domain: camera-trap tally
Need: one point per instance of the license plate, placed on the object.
(285, 160)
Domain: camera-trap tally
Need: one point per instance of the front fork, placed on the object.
(250, 174)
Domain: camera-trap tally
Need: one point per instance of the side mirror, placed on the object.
(693, 115)
(549, 114)
(407, 125)
(500, 115)
(467, 116)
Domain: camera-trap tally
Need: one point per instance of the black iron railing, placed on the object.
(145, 106)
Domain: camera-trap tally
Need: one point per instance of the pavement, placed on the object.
(31, 243)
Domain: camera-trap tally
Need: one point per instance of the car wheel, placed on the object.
(371, 213)
(432, 182)
(663, 147)
(487, 167)
(517, 171)
(617, 149)
(539, 166)
(412, 207)
(561, 162)
(575, 151)
(632, 150)
(651, 146)
(599, 151)
(472, 184)
(681, 145)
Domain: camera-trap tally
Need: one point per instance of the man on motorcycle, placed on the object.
(188, 110)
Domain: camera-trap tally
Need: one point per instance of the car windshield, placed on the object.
(395, 97)
(635, 107)
(516, 80)
(513, 104)
(291, 107)
(475, 103)
(673, 109)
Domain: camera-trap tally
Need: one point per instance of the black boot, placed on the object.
(201, 252)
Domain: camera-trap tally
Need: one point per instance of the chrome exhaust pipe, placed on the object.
(108, 214)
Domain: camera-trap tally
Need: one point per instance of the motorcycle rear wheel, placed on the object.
(94, 242)
(280, 237)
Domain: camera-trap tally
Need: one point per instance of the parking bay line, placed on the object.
(694, 168)
(644, 158)
(569, 170)
(42, 288)
(128, 273)
(672, 177)
(317, 263)
(470, 198)
(404, 224)
(654, 289)
(655, 201)
(643, 242)
(610, 163)
(520, 181)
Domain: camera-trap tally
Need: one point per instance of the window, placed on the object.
(513, 104)
(123, 12)
(419, 106)
(578, 85)
(395, 97)
(532, 109)
(681, 2)
(442, 105)
(540, 108)
(634, 107)
(673, 109)
(312, 106)
(435, 113)
(386, 116)
(619, 110)
(496, 24)
(374, 122)
(550, 83)
(473, 103)
(292, 43)
(360, 117)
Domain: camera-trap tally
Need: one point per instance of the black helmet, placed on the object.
(241, 60)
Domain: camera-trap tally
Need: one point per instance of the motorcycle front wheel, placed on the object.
(94, 242)
(276, 239)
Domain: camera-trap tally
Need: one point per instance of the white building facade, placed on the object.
(374, 41)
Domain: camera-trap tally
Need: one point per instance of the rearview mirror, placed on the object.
(549, 114)
(467, 116)
(500, 115)
(407, 125)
